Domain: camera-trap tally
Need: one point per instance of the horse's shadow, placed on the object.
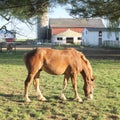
(12, 97)
(20, 98)
(55, 97)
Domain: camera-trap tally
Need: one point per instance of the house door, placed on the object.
(100, 41)
(69, 40)
(100, 38)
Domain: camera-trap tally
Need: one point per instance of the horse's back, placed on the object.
(68, 54)
(53, 61)
(62, 61)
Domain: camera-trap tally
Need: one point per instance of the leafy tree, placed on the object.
(108, 9)
(26, 9)
(95, 8)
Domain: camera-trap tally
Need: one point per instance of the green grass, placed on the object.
(105, 105)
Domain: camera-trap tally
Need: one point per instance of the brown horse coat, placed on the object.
(68, 62)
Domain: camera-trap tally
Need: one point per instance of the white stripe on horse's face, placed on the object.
(90, 96)
(88, 90)
(91, 90)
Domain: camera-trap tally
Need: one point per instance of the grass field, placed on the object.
(105, 106)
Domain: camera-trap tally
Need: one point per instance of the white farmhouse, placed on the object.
(69, 30)
(68, 36)
(100, 36)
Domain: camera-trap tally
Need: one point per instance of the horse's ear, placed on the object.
(93, 78)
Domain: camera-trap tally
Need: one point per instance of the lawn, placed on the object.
(104, 106)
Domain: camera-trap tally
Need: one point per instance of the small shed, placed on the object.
(7, 36)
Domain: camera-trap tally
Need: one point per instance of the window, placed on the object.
(117, 38)
(79, 38)
(59, 38)
(100, 33)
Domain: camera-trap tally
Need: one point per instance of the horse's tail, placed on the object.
(28, 57)
(25, 58)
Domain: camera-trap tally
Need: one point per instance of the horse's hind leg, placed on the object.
(27, 82)
(36, 85)
(74, 84)
(62, 96)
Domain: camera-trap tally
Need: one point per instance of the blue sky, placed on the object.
(59, 12)
(27, 31)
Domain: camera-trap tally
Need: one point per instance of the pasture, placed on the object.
(104, 106)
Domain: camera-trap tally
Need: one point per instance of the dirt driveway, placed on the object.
(102, 53)
(90, 52)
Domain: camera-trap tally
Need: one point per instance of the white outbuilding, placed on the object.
(100, 36)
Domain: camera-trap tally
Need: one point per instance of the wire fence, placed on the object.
(109, 43)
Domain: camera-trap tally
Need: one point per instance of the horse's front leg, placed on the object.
(36, 85)
(62, 96)
(74, 84)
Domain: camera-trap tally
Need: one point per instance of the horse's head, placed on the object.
(88, 77)
(89, 88)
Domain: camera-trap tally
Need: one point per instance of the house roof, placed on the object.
(69, 33)
(103, 29)
(72, 22)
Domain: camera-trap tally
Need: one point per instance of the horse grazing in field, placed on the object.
(68, 62)
(9, 48)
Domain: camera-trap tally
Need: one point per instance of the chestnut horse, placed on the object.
(68, 62)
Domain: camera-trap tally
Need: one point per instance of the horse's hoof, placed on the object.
(78, 100)
(42, 99)
(62, 97)
(27, 100)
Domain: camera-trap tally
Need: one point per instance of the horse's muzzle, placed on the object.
(90, 97)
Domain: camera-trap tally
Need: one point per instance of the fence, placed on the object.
(109, 43)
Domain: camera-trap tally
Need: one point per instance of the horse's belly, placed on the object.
(54, 70)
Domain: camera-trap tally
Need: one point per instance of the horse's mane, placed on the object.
(87, 63)
(85, 60)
